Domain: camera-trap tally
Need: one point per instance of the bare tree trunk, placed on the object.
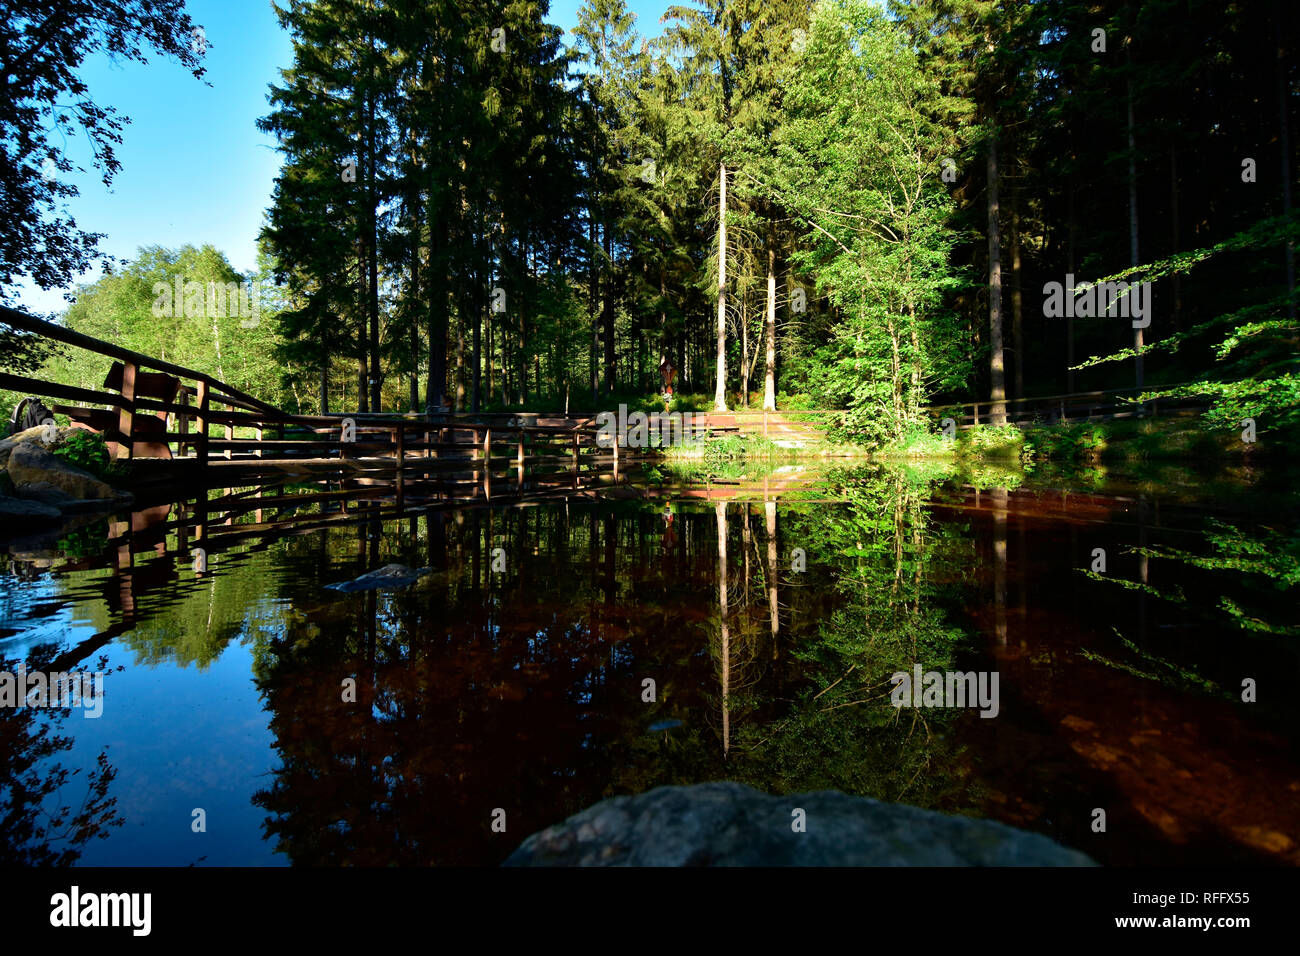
(720, 389)
(997, 370)
(769, 326)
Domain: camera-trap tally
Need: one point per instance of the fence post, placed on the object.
(183, 423)
(519, 457)
(126, 414)
(201, 423)
(487, 448)
(977, 414)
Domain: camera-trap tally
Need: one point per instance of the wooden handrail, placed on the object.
(1102, 393)
(29, 323)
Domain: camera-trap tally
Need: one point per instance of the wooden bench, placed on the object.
(147, 431)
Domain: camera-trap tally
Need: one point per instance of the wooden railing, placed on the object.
(464, 437)
(1103, 405)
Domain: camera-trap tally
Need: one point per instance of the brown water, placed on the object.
(509, 683)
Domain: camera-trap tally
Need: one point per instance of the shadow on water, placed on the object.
(572, 643)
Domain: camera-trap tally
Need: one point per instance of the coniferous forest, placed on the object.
(833, 205)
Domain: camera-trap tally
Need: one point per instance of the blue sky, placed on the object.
(194, 166)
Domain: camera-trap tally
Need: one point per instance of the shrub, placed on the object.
(995, 441)
(84, 449)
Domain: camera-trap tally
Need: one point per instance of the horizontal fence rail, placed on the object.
(161, 410)
(1100, 405)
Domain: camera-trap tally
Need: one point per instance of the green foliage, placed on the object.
(991, 441)
(720, 452)
(1255, 572)
(1069, 441)
(205, 330)
(86, 450)
(857, 157)
(47, 105)
(919, 442)
(1258, 365)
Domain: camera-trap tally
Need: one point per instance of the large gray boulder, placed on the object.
(30, 463)
(729, 824)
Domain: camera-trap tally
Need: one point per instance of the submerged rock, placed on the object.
(729, 824)
(17, 514)
(389, 576)
(48, 494)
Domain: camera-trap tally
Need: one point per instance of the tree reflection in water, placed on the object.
(40, 824)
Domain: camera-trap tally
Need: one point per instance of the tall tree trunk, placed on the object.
(720, 389)
(1017, 327)
(1069, 268)
(608, 310)
(997, 371)
(414, 394)
(372, 240)
(325, 385)
(491, 344)
(524, 304)
(435, 394)
(1133, 214)
(481, 306)
(769, 324)
(363, 344)
(460, 360)
(435, 390)
(593, 352)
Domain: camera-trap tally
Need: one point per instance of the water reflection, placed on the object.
(48, 812)
(513, 676)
